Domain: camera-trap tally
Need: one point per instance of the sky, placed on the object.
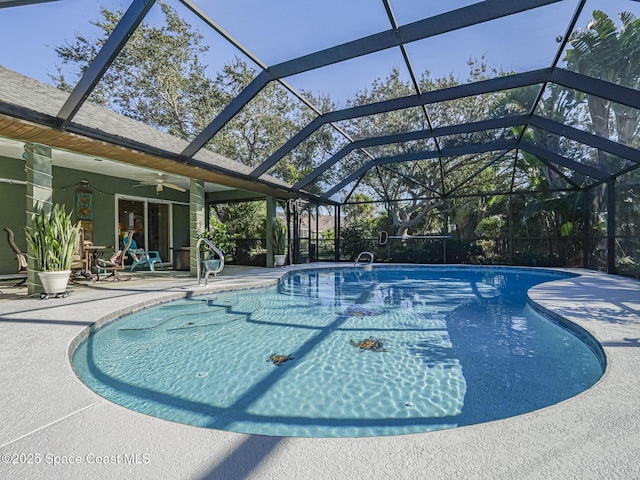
(279, 30)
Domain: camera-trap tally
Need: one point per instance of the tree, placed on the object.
(217, 233)
(320, 145)
(261, 126)
(360, 206)
(157, 78)
(414, 190)
(246, 223)
(603, 51)
(384, 181)
(558, 104)
(356, 237)
(243, 219)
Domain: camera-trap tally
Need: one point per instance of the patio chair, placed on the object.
(140, 256)
(148, 257)
(116, 263)
(78, 259)
(21, 257)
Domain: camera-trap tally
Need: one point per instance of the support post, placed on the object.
(296, 235)
(289, 229)
(271, 215)
(611, 226)
(197, 221)
(337, 234)
(39, 194)
(586, 220)
(445, 233)
(317, 239)
(510, 224)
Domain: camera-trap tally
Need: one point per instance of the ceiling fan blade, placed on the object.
(159, 183)
(174, 186)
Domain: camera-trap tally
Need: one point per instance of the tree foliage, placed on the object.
(158, 77)
(414, 190)
(356, 237)
(607, 52)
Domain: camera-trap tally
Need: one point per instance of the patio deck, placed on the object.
(48, 413)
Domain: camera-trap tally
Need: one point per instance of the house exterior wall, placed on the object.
(66, 183)
(12, 211)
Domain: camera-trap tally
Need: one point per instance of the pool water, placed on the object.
(456, 346)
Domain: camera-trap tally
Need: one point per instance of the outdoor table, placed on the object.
(91, 254)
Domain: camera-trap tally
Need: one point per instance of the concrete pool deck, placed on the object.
(48, 415)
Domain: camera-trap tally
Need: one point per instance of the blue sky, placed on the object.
(279, 30)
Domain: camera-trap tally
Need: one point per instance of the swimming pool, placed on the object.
(456, 346)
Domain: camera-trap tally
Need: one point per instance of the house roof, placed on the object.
(28, 112)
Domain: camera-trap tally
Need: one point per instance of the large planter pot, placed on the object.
(279, 260)
(54, 282)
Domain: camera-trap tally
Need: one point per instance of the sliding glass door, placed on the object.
(158, 228)
(150, 222)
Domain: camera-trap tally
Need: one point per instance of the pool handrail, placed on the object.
(216, 269)
(364, 253)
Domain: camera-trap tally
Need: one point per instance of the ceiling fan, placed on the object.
(160, 182)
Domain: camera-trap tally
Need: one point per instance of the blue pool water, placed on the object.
(461, 347)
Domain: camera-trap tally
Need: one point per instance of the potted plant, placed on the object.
(53, 239)
(279, 242)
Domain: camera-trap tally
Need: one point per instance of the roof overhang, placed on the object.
(27, 131)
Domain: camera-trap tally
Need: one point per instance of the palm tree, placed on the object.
(558, 104)
(605, 52)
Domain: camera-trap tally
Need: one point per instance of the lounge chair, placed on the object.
(116, 263)
(21, 257)
(140, 256)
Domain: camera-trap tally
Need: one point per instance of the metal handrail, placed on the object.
(364, 253)
(209, 271)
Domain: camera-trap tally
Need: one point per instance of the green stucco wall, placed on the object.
(181, 226)
(65, 184)
(12, 212)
